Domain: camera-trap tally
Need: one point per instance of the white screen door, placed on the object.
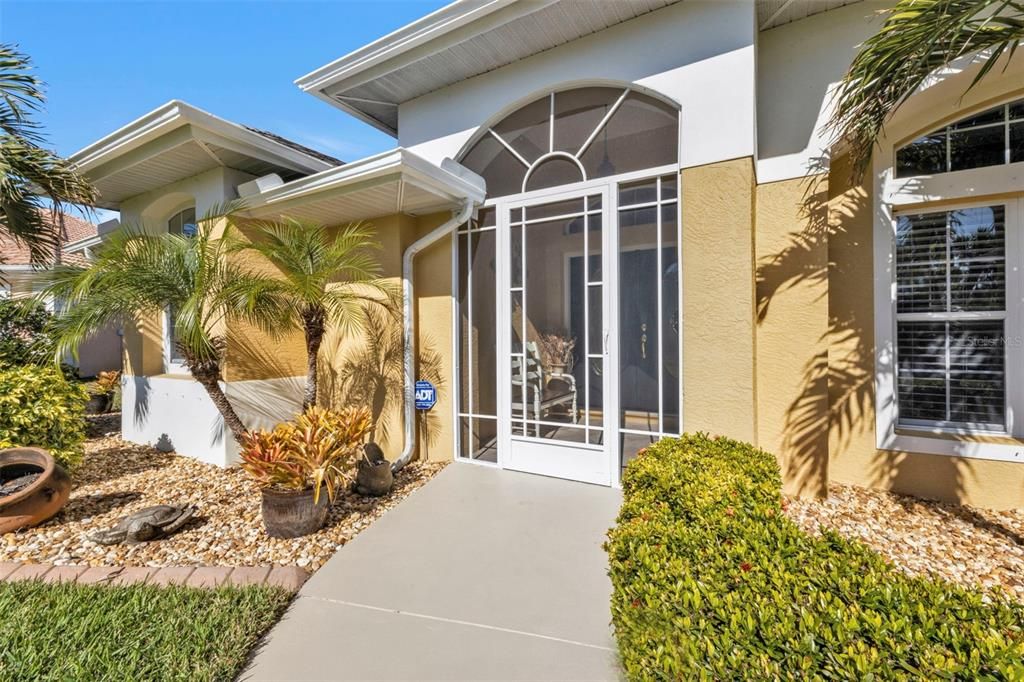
(554, 325)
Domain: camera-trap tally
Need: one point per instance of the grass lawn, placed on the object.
(69, 632)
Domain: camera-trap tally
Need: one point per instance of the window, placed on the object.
(951, 283)
(575, 135)
(991, 138)
(182, 223)
(477, 357)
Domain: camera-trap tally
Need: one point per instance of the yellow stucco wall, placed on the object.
(366, 368)
(143, 346)
(792, 320)
(433, 284)
(853, 456)
(718, 299)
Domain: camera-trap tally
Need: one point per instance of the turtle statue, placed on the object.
(146, 524)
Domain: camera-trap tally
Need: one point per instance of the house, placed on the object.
(648, 183)
(20, 278)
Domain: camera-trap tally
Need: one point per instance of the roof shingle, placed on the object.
(74, 229)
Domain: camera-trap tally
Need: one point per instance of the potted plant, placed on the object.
(556, 352)
(101, 393)
(298, 461)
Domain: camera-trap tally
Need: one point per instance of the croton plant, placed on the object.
(317, 450)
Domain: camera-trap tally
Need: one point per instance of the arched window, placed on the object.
(991, 138)
(575, 135)
(183, 222)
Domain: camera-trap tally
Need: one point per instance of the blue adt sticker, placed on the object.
(426, 395)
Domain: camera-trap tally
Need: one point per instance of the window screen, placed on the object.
(574, 135)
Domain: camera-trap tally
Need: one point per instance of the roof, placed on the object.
(74, 230)
(396, 181)
(471, 37)
(326, 158)
(177, 140)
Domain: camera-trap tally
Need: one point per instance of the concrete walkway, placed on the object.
(481, 575)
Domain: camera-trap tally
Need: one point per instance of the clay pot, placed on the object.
(99, 403)
(374, 479)
(373, 475)
(292, 513)
(41, 499)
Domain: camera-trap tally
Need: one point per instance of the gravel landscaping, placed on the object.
(964, 545)
(118, 478)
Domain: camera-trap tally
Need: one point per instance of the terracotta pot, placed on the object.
(292, 513)
(99, 403)
(41, 499)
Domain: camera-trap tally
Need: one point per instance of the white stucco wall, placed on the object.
(173, 412)
(798, 66)
(205, 190)
(699, 53)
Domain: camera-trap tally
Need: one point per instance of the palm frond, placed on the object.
(918, 38)
(29, 172)
(21, 94)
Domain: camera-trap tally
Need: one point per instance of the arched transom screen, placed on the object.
(575, 135)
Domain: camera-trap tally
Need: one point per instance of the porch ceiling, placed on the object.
(471, 37)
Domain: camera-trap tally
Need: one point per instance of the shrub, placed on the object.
(712, 581)
(24, 337)
(317, 450)
(40, 407)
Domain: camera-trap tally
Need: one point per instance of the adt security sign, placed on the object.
(426, 395)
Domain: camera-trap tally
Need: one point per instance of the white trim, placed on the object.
(956, 441)
(171, 365)
(547, 157)
(387, 166)
(177, 114)
(422, 38)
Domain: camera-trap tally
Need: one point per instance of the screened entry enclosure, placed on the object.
(568, 286)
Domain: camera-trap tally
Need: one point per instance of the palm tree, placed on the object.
(28, 172)
(918, 37)
(323, 279)
(138, 274)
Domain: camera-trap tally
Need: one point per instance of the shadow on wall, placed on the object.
(277, 395)
(371, 374)
(833, 414)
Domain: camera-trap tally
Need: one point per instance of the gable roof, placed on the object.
(74, 230)
(471, 37)
(177, 140)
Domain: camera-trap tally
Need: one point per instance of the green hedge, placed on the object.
(38, 406)
(711, 581)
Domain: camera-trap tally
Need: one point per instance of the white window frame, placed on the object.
(172, 365)
(952, 440)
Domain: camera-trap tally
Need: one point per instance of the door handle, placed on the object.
(643, 341)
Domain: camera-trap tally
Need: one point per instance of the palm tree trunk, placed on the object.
(208, 376)
(313, 321)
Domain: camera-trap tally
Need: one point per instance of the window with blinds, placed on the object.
(950, 318)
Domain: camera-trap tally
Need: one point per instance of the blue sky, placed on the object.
(107, 63)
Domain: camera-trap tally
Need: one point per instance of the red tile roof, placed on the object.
(14, 253)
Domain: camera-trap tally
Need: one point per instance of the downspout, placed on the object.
(459, 217)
